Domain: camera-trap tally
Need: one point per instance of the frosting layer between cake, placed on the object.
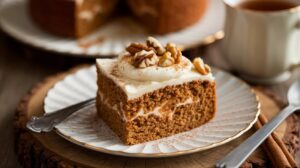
(136, 88)
(157, 111)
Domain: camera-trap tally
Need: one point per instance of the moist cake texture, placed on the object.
(151, 92)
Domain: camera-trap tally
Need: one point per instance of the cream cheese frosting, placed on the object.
(154, 73)
(137, 82)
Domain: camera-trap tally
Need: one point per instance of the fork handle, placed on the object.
(48, 121)
(236, 157)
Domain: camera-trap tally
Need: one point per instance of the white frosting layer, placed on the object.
(134, 88)
(154, 73)
(156, 110)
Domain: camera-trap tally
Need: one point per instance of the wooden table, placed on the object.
(22, 66)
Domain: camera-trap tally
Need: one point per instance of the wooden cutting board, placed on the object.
(50, 150)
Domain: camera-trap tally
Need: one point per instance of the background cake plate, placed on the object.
(237, 110)
(111, 38)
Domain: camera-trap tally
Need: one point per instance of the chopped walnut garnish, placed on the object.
(166, 60)
(153, 53)
(202, 68)
(175, 51)
(152, 42)
(133, 48)
(207, 68)
(145, 59)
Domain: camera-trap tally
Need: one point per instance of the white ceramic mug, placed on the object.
(261, 45)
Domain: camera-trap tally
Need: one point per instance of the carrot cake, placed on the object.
(165, 16)
(151, 91)
(71, 18)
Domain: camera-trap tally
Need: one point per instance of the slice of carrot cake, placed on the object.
(152, 91)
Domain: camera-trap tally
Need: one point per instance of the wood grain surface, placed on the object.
(22, 66)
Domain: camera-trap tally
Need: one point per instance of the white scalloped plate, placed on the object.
(237, 110)
(117, 33)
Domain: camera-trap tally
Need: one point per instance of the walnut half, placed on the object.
(145, 59)
(133, 48)
(175, 52)
(166, 60)
(152, 42)
(202, 68)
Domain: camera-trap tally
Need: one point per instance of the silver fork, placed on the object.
(236, 157)
(47, 122)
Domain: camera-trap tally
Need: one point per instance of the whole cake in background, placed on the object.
(165, 16)
(78, 18)
(151, 91)
(71, 18)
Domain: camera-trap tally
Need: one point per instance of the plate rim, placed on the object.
(10, 32)
(162, 154)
